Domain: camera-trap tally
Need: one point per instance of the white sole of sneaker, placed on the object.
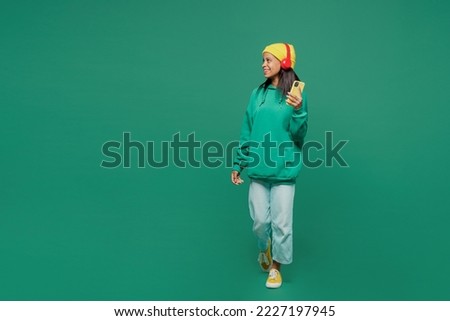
(273, 285)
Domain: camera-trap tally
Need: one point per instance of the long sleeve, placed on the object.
(240, 159)
(298, 125)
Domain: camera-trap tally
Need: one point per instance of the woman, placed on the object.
(272, 136)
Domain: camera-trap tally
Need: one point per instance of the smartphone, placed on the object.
(297, 88)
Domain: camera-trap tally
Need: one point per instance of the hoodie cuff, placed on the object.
(237, 168)
(298, 112)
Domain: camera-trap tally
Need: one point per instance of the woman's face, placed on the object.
(271, 66)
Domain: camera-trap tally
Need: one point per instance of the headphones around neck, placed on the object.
(286, 62)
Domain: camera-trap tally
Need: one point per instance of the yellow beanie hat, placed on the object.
(279, 50)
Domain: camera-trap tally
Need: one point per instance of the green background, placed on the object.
(76, 74)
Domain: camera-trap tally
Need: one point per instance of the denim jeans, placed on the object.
(271, 207)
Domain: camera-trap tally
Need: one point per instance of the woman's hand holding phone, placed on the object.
(294, 97)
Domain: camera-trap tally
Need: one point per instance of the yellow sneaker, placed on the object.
(274, 280)
(265, 259)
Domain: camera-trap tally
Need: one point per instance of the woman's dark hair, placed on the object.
(287, 77)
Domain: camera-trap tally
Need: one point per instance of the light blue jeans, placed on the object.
(271, 207)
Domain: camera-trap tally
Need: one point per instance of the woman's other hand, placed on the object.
(236, 178)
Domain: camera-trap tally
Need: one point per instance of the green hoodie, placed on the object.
(272, 136)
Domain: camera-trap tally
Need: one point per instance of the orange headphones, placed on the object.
(286, 62)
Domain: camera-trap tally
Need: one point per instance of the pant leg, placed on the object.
(259, 206)
(281, 211)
